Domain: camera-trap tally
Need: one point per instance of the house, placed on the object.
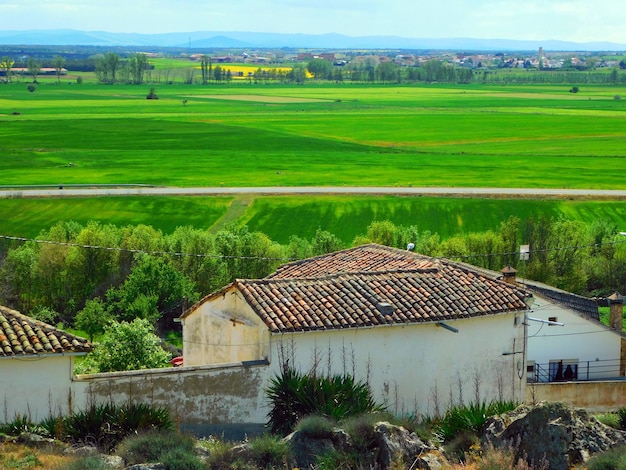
(424, 332)
(566, 339)
(36, 365)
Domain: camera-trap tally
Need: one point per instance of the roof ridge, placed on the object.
(268, 280)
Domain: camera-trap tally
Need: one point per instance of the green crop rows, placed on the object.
(264, 135)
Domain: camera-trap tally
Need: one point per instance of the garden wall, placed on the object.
(228, 399)
(596, 397)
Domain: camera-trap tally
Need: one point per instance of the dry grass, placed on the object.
(19, 456)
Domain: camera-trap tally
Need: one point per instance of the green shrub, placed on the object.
(469, 418)
(180, 459)
(222, 456)
(105, 425)
(294, 395)
(612, 459)
(268, 451)
(20, 424)
(153, 446)
(621, 413)
(315, 426)
(609, 419)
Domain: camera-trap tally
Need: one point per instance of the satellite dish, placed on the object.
(410, 246)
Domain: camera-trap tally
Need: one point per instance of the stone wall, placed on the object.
(228, 399)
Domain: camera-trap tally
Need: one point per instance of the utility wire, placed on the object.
(269, 258)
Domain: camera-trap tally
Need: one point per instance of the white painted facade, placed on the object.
(38, 386)
(592, 350)
(413, 368)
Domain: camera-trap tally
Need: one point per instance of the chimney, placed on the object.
(616, 304)
(508, 275)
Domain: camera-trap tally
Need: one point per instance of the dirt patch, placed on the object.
(261, 98)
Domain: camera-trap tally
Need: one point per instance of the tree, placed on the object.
(107, 67)
(6, 65)
(94, 318)
(126, 346)
(34, 68)
(58, 62)
(321, 69)
(18, 274)
(153, 287)
(297, 74)
(138, 64)
(205, 65)
(386, 72)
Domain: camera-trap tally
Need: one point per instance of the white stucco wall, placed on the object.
(595, 348)
(224, 330)
(38, 387)
(420, 368)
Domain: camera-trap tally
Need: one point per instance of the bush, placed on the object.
(268, 451)
(574, 89)
(469, 418)
(612, 459)
(20, 424)
(316, 426)
(105, 425)
(294, 395)
(621, 413)
(91, 462)
(159, 446)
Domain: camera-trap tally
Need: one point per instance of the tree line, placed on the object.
(89, 275)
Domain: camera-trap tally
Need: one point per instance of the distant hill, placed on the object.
(239, 40)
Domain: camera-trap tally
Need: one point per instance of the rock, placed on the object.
(112, 461)
(81, 451)
(552, 434)
(396, 444)
(305, 448)
(147, 466)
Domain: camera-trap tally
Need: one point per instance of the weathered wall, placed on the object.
(593, 396)
(229, 398)
(37, 387)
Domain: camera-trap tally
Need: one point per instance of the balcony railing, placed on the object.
(567, 371)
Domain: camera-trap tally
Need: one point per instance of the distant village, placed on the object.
(474, 60)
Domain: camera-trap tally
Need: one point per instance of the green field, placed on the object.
(337, 135)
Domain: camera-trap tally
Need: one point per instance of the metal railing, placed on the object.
(568, 371)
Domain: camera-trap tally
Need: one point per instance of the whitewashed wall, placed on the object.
(590, 343)
(420, 368)
(38, 387)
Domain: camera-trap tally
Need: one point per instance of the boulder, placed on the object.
(305, 448)
(552, 434)
(396, 444)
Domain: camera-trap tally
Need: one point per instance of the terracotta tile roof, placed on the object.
(21, 335)
(364, 258)
(438, 291)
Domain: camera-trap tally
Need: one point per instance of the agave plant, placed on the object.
(295, 395)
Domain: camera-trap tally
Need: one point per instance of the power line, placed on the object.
(149, 252)
(286, 259)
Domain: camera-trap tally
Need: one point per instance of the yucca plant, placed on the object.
(470, 418)
(295, 395)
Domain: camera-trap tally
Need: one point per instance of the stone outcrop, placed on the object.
(389, 446)
(552, 434)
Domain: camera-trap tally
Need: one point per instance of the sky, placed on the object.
(568, 20)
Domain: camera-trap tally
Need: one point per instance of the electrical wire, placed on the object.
(287, 259)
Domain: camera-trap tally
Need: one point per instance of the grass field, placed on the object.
(262, 135)
(280, 217)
